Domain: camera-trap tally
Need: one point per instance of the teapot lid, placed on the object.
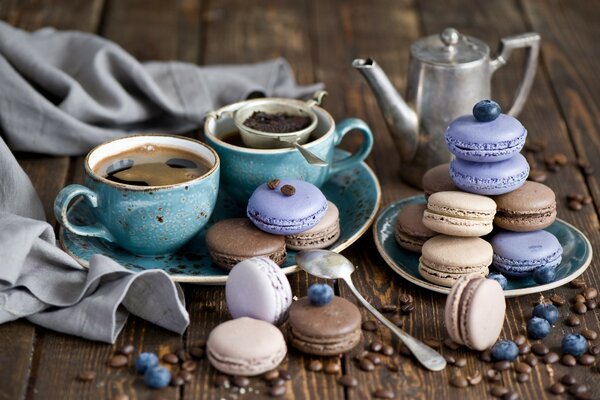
(449, 47)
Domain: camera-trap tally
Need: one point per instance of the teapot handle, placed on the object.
(530, 40)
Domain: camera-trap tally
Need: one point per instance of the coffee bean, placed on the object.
(475, 379)
(170, 358)
(586, 359)
(315, 366)
(449, 359)
(406, 309)
(552, 167)
(86, 375)
(241, 381)
(522, 367)
(284, 374)
(531, 360)
(433, 343)
(580, 308)
(405, 298)
(539, 349)
(572, 320)
(589, 334)
(277, 391)
(520, 339)
(577, 283)
(551, 358)
(578, 388)
(591, 304)
(557, 388)
(189, 366)
(498, 391)
(502, 365)
(118, 361)
(522, 377)
(568, 360)
(590, 293)
(493, 375)
(568, 380)
(537, 175)
(273, 183)
(177, 381)
(511, 395)
(387, 350)
(374, 358)
(222, 381)
(561, 159)
(332, 368)
(185, 375)
(397, 320)
(587, 200)
(579, 298)
(272, 374)
(525, 348)
(183, 355)
(582, 163)
(197, 352)
(557, 300)
(574, 205)
(459, 381)
(348, 381)
(460, 362)
(288, 190)
(366, 365)
(594, 350)
(276, 382)
(449, 343)
(369, 326)
(575, 197)
(389, 308)
(485, 356)
(126, 350)
(376, 346)
(384, 394)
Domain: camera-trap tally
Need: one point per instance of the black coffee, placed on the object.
(152, 165)
(277, 123)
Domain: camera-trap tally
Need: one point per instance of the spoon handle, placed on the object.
(430, 358)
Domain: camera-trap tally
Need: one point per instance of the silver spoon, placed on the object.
(308, 155)
(329, 265)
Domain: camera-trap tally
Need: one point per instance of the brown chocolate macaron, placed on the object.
(232, 240)
(529, 208)
(325, 330)
(410, 232)
(437, 179)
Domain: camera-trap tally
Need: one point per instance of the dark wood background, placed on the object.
(320, 38)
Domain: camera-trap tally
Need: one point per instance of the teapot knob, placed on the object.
(450, 36)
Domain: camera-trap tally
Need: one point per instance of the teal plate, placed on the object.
(356, 193)
(577, 253)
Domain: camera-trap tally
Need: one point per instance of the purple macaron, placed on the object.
(490, 178)
(286, 207)
(490, 141)
(519, 254)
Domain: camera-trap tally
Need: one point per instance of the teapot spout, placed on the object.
(401, 120)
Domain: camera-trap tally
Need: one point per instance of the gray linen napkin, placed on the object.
(62, 93)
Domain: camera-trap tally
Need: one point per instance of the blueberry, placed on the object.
(505, 350)
(486, 110)
(498, 277)
(320, 294)
(145, 361)
(575, 344)
(538, 328)
(544, 274)
(157, 377)
(547, 311)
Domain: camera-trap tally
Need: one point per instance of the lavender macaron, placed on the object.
(519, 254)
(258, 288)
(286, 206)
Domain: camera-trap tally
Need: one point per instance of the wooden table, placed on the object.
(320, 38)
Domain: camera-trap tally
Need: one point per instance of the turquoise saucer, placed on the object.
(355, 191)
(577, 253)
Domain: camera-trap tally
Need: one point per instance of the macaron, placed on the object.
(324, 330)
(322, 235)
(258, 288)
(230, 241)
(246, 347)
(410, 232)
(519, 254)
(444, 259)
(459, 214)
(437, 179)
(475, 311)
(286, 206)
(529, 208)
(490, 178)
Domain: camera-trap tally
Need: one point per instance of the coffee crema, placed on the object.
(152, 165)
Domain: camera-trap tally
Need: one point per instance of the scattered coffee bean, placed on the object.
(433, 343)
(522, 377)
(525, 348)
(587, 200)
(582, 163)
(561, 159)
(406, 309)
(272, 374)
(118, 361)
(551, 358)
(531, 360)
(332, 368)
(574, 205)
(276, 382)
(449, 359)
(520, 339)
(284, 374)
(498, 391)
(539, 349)
(170, 358)
(594, 350)
(577, 283)
(511, 395)
(475, 379)
(384, 394)
(366, 365)
(580, 308)
(405, 351)
(459, 381)
(315, 366)
(557, 388)
(273, 183)
(575, 197)
(579, 298)
(374, 358)
(376, 346)
(222, 381)
(176, 380)
(577, 388)
(568, 360)
(86, 375)
(387, 350)
(185, 375)
(537, 175)
(568, 380)
(348, 381)
(522, 367)
(589, 334)
(389, 308)
(369, 326)
(393, 367)
(485, 356)
(586, 359)
(241, 381)
(126, 350)
(460, 362)
(189, 366)
(590, 293)
(502, 365)
(557, 300)
(493, 376)
(591, 304)
(572, 320)
(449, 343)
(288, 190)
(183, 355)
(397, 320)
(405, 298)
(277, 391)
(197, 352)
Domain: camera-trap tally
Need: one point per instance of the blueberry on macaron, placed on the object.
(157, 377)
(498, 277)
(505, 350)
(549, 312)
(486, 110)
(574, 344)
(145, 361)
(544, 274)
(538, 328)
(320, 294)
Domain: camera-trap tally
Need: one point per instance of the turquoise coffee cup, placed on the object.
(243, 168)
(146, 220)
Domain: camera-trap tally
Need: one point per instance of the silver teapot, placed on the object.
(447, 75)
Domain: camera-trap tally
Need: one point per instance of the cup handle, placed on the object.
(61, 205)
(341, 129)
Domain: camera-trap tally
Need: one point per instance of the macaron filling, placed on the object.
(526, 267)
(490, 149)
(481, 183)
(284, 224)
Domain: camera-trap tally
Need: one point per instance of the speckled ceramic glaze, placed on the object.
(147, 220)
(577, 253)
(244, 169)
(355, 191)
